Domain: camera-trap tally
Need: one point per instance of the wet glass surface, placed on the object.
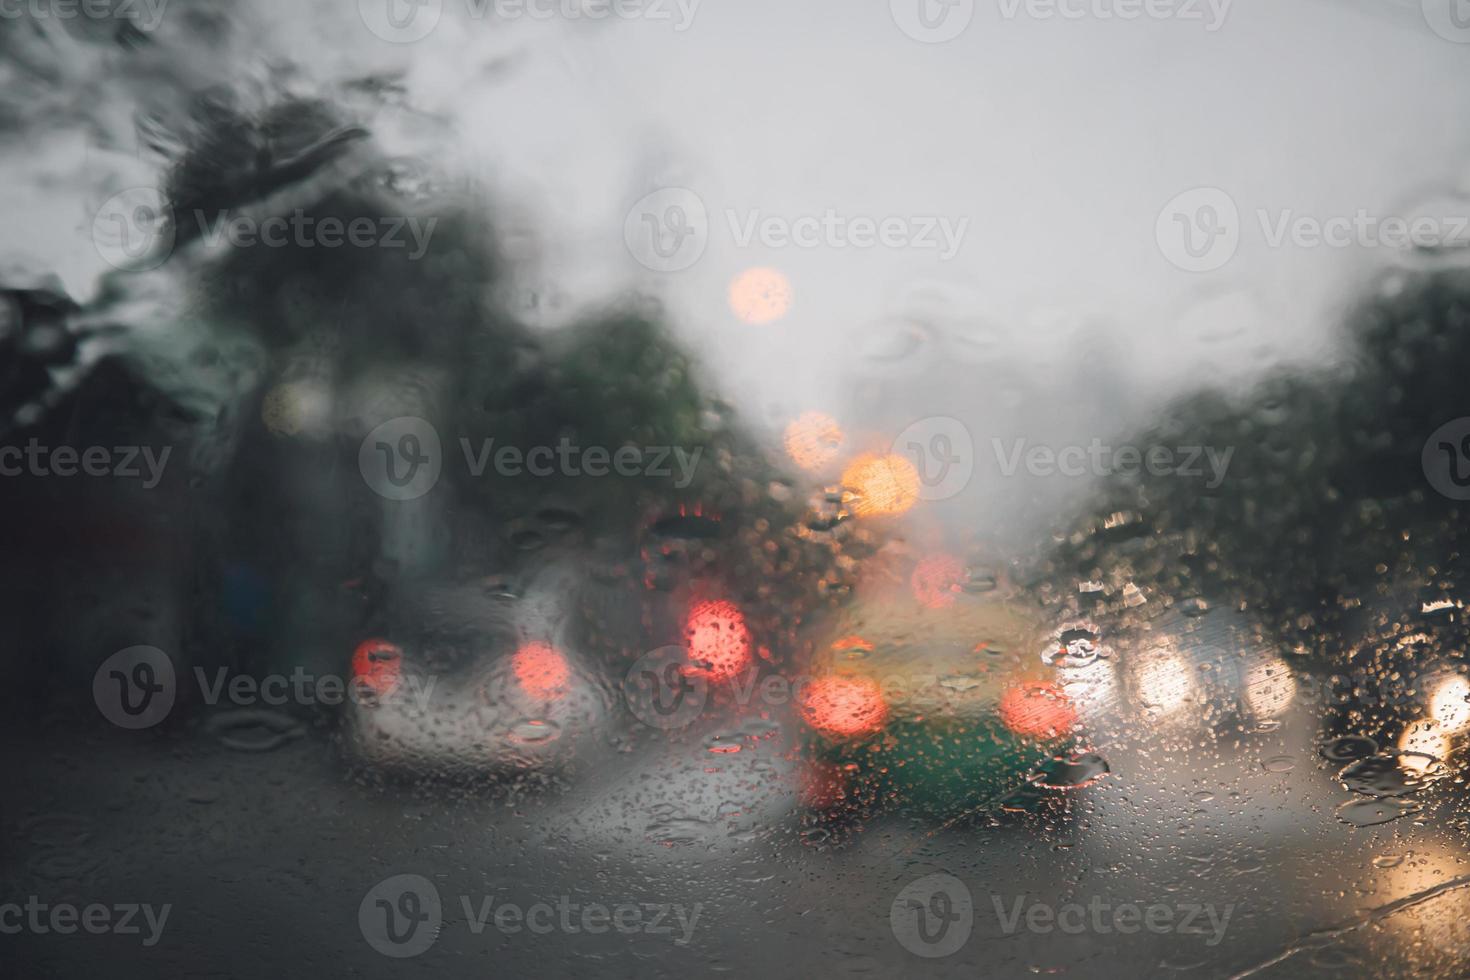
(571, 490)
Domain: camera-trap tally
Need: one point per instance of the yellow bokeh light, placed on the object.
(881, 485)
(1270, 687)
(1422, 740)
(760, 295)
(297, 408)
(813, 439)
(1448, 704)
(1164, 683)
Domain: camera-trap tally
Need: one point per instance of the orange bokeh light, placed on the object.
(377, 665)
(936, 580)
(760, 295)
(813, 439)
(852, 644)
(844, 707)
(1037, 709)
(881, 484)
(718, 640)
(541, 670)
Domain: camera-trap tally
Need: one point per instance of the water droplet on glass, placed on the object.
(1369, 813)
(1075, 646)
(253, 729)
(1072, 771)
(1346, 748)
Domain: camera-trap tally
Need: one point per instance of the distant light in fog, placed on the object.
(298, 408)
(937, 579)
(1400, 875)
(1270, 687)
(813, 440)
(1037, 709)
(1448, 704)
(844, 707)
(760, 295)
(881, 485)
(718, 640)
(541, 670)
(1424, 744)
(1165, 683)
(378, 666)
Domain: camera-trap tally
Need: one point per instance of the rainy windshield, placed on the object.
(544, 488)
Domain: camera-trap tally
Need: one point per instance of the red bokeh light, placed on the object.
(541, 670)
(377, 665)
(844, 707)
(718, 640)
(937, 579)
(1037, 709)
